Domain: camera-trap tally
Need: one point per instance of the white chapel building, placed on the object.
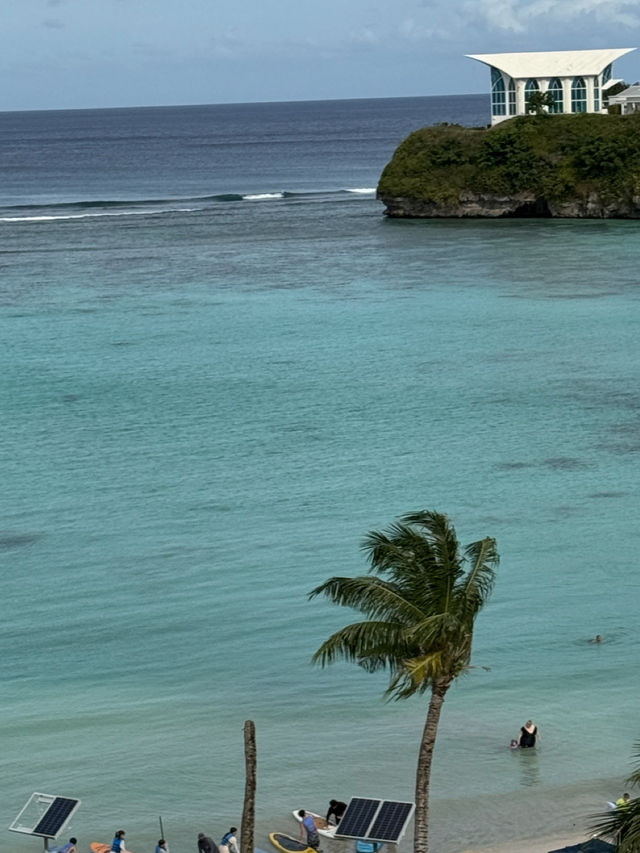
(575, 78)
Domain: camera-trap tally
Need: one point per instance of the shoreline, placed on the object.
(531, 845)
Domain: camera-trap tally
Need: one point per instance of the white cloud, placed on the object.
(366, 35)
(411, 30)
(518, 17)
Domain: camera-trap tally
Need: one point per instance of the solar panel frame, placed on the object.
(52, 814)
(375, 820)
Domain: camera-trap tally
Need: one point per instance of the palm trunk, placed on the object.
(423, 773)
(249, 809)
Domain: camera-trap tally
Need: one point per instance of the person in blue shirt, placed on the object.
(309, 825)
(161, 846)
(229, 843)
(117, 845)
(69, 847)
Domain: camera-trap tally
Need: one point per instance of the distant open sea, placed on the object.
(221, 367)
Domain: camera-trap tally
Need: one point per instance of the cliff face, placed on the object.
(520, 205)
(570, 166)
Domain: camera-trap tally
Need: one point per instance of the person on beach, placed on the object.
(206, 844)
(308, 825)
(623, 801)
(528, 734)
(229, 842)
(69, 847)
(117, 845)
(336, 810)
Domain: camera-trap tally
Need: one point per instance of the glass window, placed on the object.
(578, 95)
(596, 95)
(606, 75)
(555, 89)
(512, 98)
(531, 86)
(498, 94)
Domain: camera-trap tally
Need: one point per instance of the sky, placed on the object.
(69, 54)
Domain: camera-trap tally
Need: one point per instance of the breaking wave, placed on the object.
(160, 206)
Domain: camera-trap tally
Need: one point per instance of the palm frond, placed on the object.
(478, 583)
(634, 779)
(375, 645)
(621, 826)
(440, 533)
(419, 603)
(373, 596)
(401, 549)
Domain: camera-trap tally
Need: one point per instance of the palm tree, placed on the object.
(622, 825)
(420, 598)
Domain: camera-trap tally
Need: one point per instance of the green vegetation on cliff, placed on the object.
(558, 158)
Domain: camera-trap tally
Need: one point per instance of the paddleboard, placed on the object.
(287, 844)
(102, 848)
(324, 828)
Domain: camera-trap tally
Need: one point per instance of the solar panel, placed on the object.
(357, 818)
(44, 815)
(55, 817)
(375, 820)
(391, 821)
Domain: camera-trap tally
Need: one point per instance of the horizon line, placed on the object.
(238, 103)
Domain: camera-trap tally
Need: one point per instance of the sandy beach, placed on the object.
(533, 845)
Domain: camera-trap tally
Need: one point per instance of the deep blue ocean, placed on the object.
(222, 366)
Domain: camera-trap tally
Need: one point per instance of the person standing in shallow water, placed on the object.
(528, 734)
(206, 844)
(229, 843)
(309, 825)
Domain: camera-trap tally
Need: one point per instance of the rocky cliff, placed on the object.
(571, 166)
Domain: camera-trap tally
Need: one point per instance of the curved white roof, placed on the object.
(552, 63)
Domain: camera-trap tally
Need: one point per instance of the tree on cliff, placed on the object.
(540, 102)
(421, 598)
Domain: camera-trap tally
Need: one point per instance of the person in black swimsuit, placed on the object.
(528, 734)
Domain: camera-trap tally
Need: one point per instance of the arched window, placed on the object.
(530, 87)
(512, 98)
(498, 95)
(578, 95)
(555, 89)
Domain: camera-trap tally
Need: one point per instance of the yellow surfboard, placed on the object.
(284, 843)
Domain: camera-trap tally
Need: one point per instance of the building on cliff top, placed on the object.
(575, 79)
(628, 99)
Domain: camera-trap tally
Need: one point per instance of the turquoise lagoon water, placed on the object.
(208, 402)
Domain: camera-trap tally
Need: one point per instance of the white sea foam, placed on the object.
(262, 196)
(362, 190)
(54, 217)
